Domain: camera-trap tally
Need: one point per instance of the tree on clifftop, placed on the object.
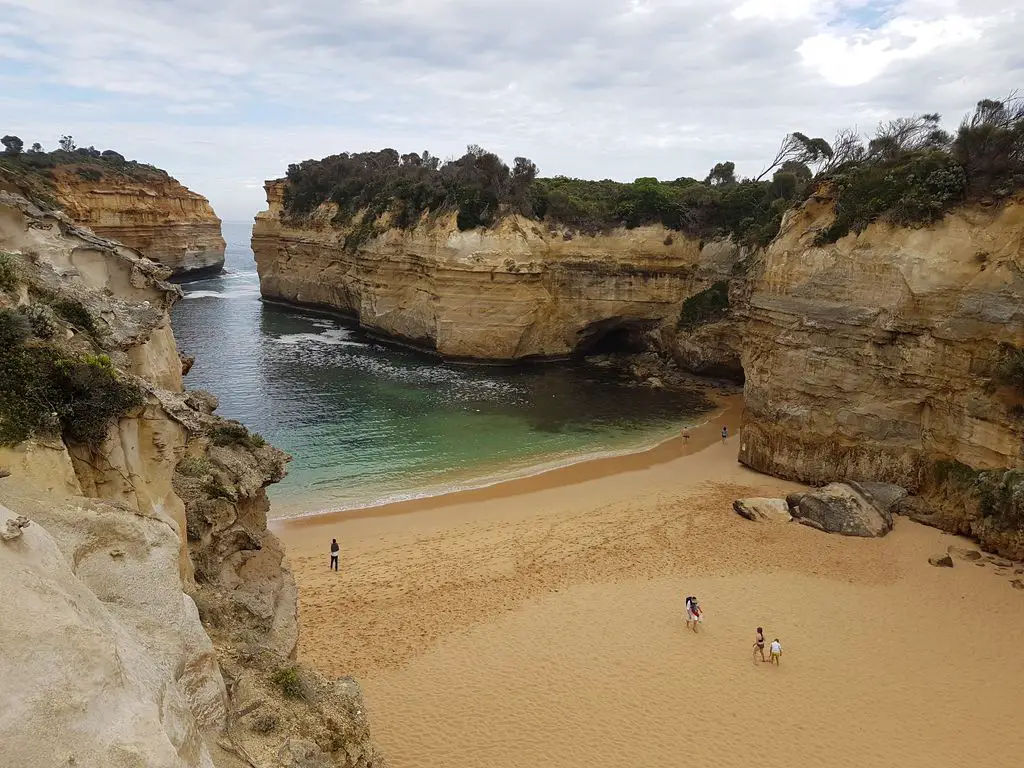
(721, 174)
(12, 145)
(67, 143)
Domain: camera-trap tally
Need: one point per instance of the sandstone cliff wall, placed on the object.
(161, 218)
(515, 291)
(878, 357)
(117, 648)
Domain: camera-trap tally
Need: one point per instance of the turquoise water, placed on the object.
(368, 423)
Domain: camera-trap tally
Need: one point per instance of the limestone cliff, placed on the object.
(514, 291)
(152, 617)
(879, 357)
(136, 204)
(157, 216)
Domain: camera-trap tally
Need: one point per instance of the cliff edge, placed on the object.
(136, 204)
(517, 290)
(889, 355)
(151, 617)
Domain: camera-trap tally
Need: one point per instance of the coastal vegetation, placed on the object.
(49, 391)
(32, 170)
(52, 389)
(705, 307)
(909, 173)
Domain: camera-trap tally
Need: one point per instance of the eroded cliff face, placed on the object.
(153, 615)
(515, 291)
(159, 217)
(878, 357)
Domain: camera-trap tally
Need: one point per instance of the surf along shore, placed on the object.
(540, 622)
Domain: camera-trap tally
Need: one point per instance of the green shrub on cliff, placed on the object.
(910, 173)
(75, 313)
(288, 680)
(232, 433)
(8, 271)
(705, 307)
(48, 391)
(479, 188)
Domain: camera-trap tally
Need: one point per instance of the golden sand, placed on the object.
(542, 624)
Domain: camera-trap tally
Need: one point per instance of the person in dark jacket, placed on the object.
(334, 553)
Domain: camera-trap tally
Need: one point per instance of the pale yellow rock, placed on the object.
(161, 218)
(872, 357)
(513, 291)
(79, 685)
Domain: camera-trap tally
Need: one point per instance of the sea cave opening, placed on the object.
(615, 336)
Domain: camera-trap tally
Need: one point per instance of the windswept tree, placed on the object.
(894, 138)
(847, 147)
(12, 145)
(797, 147)
(990, 145)
(721, 174)
(67, 143)
(36, 149)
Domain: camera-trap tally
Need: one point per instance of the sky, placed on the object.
(226, 93)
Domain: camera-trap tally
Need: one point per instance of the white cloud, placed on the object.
(225, 94)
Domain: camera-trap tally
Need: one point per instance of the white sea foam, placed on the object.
(334, 337)
(233, 294)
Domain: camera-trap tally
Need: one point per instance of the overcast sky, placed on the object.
(223, 95)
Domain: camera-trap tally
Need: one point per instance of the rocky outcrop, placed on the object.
(518, 290)
(878, 357)
(150, 612)
(763, 510)
(841, 508)
(156, 215)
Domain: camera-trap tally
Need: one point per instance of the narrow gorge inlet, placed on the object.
(698, 441)
(367, 422)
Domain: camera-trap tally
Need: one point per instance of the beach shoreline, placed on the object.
(555, 610)
(727, 411)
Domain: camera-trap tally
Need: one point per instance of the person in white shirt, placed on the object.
(775, 652)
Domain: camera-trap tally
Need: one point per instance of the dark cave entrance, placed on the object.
(616, 336)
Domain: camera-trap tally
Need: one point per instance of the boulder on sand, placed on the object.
(941, 562)
(775, 510)
(842, 508)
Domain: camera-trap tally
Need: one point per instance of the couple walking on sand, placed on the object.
(774, 651)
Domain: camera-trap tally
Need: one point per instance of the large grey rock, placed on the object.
(841, 508)
(762, 509)
(885, 496)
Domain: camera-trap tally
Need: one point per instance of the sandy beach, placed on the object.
(540, 622)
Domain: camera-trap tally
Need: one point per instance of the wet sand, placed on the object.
(543, 626)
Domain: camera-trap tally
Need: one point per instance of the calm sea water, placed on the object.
(368, 423)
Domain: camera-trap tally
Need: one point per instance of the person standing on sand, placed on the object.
(693, 612)
(725, 432)
(759, 643)
(775, 652)
(334, 553)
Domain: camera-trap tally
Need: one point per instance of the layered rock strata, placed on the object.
(157, 216)
(518, 290)
(884, 355)
(151, 617)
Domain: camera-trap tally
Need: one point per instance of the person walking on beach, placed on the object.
(334, 553)
(759, 643)
(725, 432)
(693, 612)
(775, 652)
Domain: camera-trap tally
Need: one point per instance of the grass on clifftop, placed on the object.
(48, 391)
(910, 173)
(30, 169)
